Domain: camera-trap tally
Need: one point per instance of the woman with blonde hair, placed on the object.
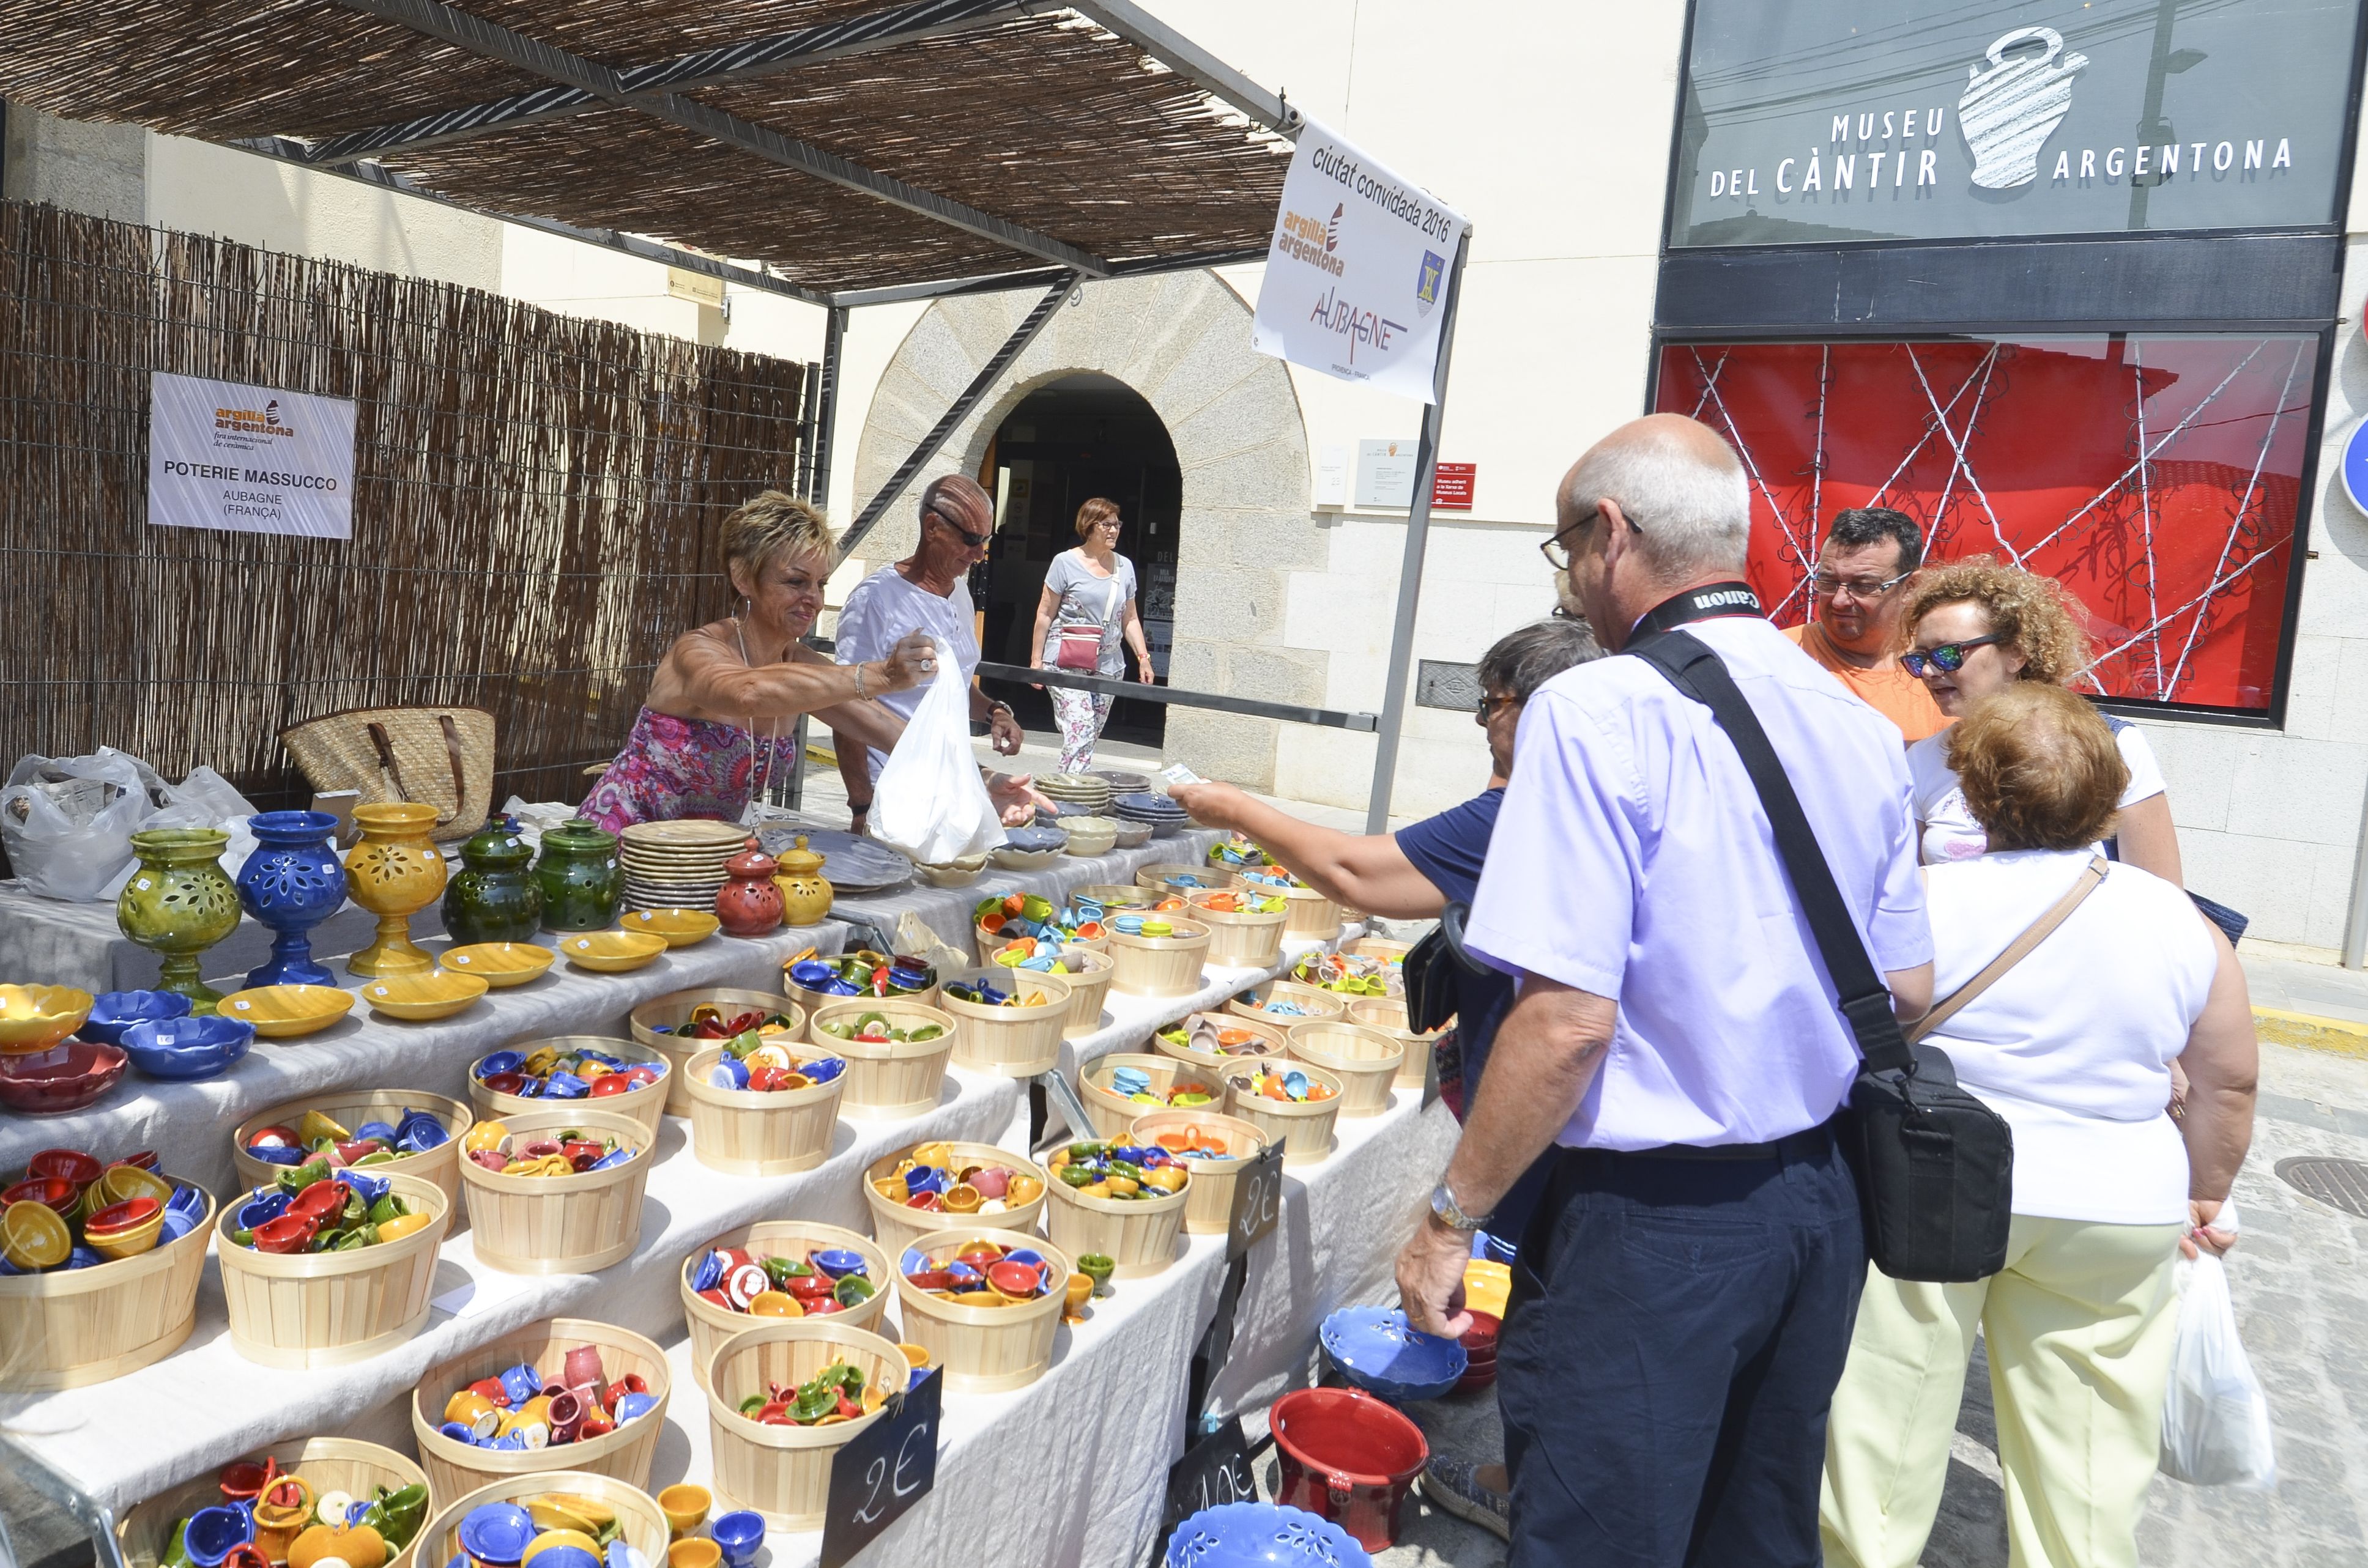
(1086, 610)
(1974, 627)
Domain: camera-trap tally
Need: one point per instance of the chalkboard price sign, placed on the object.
(1257, 1202)
(1214, 1471)
(882, 1472)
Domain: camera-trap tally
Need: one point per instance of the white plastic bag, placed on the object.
(2215, 1420)
(930, 802)
(68, 822)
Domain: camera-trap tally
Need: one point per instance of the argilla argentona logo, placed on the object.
(2009, 111)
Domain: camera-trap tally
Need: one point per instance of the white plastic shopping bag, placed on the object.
(930, 800)
(68, 822)
(2215, 1420)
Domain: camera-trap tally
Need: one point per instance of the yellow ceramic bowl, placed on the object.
(500, 964)
(35, 1018)
(1486, 1286)
(612, 952)
(680, 927)
(417, 998)
(283, 1012)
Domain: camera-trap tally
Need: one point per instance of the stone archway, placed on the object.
(1183, 342)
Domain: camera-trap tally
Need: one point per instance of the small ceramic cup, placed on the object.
(693, 1552)
(1080, 1287)
(738, 1536)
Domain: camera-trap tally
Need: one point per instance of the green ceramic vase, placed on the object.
(583, 881)
(179, 902)
(493, 897)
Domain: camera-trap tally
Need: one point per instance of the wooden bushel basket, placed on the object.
(440, 1164)
(1388, 1015)
(643, 1522)
(985, 1349)
(1269, 1037)
(1365, 1060)
(1159, 966)
(328, 1464)
(625, 1453)
(1014, 1042)
(1239, 940)
(71, 1327)
(895, 1080)
(749, 1132)
(1209, 1208)
(1113, 1113)
(1137, 1234)
(1318, 1003)
(646, 1105)
(1165, 878)
(1089, 981)
(570, 1224)
(783, 1472)
(1304, 1131)
(990, 943)
(673, 1009)
(711, 1325)
(331, 1308)
(899, 1227)
(1309, 917)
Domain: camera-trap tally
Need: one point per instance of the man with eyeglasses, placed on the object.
(928, 591)
(1855, 597)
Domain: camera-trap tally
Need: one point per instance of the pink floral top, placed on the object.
(672, 769)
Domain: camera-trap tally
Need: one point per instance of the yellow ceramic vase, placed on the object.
(805, 894)
(395, 872)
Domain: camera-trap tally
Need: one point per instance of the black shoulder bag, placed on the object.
(1431, 968)
(1934, 1166)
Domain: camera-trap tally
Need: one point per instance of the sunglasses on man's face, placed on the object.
(1948, 658)
(973, 541)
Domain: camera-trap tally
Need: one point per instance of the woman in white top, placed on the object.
(2073, 1046)
(1974, 628)
(1089, 596)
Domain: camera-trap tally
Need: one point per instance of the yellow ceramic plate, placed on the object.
(612, 952)
(283, 1012)
(500, 964)
(680, 927)
(35, 1018)
(438, 993)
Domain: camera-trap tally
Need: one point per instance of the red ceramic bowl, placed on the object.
(1482, 1335)
(68, 1165)
(145, 1159)
(1019, 1280)
(288, 1233)
(931, 1279)
(81, 1074)
(319, 1201)
(128, 1215)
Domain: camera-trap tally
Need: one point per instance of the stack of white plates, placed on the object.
(1076, 789)
(677, 865)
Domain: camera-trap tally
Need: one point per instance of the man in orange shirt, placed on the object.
(1856, 596)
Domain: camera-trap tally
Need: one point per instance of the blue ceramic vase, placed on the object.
(291, 883)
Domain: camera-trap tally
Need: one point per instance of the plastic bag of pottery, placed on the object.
(2216, 1419)
(916, 936)
(930, 800)
(67, 821)
(205, 799)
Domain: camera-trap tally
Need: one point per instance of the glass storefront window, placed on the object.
(2158, 476)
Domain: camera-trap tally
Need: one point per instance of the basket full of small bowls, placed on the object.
(764, 1108)
(1009, 919)
(1313, 916)
(1365, 1060)
(557, 1519)
(985, 1303)
(556, 1191)
(815, 981)
(1293, 1103)
(1388, 1015)
(592, 1070)
(388, 1131)
(778, 1269)
(99, 1268)
(681, 1024)
(1119, 1200)
(1214, 1041)
(1157, 954)
(303, 1503)
(1215, 1148)
(1178, 879)
(1012, 1020)
(1351, 976)
(785, 1397)
(897, 1053)
(564, 1394)
(324, 1268)
(1124, 1084)
(1284, 1003)
(941, 1185)
(1245, 926)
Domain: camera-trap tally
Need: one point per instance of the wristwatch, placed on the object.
(1449, 1213)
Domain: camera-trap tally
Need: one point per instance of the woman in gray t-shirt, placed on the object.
(1089, 590)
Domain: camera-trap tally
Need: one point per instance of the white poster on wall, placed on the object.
(1357, 271)
(250, 459)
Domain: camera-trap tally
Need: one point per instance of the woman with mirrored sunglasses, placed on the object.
(1973, 628)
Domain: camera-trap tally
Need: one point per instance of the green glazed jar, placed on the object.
(493, 897)
(179, 902)
(582, 879)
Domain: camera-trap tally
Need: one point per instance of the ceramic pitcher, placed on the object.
(179, 902)
(2010, 107)
(395, 871)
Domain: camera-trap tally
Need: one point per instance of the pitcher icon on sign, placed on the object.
(2010, 109)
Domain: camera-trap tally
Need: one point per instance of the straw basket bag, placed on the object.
(783, 1472)
(752, 1133)
(1269, 1038)
(673, 1009)
(437, 756)
(1089, 981)
(641, 1522)
(440, 1164)
(1159, 966)
(1365, 1060)
(1014, 1042)
(70, 1327)
(1209, 1206)
(1388, 1015)
(1113, 1113)
(1137, 1234)
(1313, 1002)
(566, 1225)
(985, 1349)
(1238, 939)
(711, 1325)
(646, 1105)
(331, 1308)
(888, 1079)
(327, 1464)
(624, 1453)
(899, 1226)
(1304, 1131)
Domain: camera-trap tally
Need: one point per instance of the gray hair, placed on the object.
(1525, 659)
(1692, 510)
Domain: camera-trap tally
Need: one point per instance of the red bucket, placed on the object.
(1348, 1457)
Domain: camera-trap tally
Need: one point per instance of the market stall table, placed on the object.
(80, 943)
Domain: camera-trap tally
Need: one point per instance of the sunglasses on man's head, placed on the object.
(1948, 658)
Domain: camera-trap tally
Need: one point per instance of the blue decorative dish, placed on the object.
(1236, 1535)
(183, 1051)
(1376, 1351)
(113, 1015)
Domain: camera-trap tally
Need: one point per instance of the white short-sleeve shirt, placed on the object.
(1632, 860)
(1950, 832)
(882, 610)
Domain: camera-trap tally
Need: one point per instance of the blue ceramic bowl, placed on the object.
(840, 1262)
(1376, 1351)
(1239, 1535)
(1035, 840)
(496, 1532)
(739, 1535)
(114, 1014)
(183, 1051)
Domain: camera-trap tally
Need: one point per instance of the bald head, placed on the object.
(960, 500)
(1678, 483)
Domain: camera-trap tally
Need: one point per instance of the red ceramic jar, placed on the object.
(749, 905)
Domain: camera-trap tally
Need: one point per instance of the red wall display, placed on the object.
(2156, 476)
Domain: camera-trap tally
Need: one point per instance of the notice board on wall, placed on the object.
(250, 460)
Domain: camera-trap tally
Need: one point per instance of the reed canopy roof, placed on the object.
(846, 147)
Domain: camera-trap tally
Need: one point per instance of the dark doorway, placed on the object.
(1083, 436)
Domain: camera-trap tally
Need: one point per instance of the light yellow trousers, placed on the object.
(2079, 1325)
